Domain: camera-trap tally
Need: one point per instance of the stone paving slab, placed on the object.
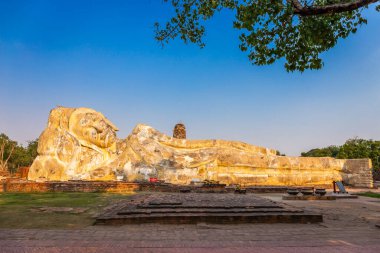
(329, 249)
(307, 197)
(344, 196)
(188, 208)
(193, 238)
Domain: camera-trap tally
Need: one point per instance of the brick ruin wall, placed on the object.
(358, 173)
(14, 185)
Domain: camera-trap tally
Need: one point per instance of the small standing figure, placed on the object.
(179, 131)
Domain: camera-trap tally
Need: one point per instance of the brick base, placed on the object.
(20, 185)
(70, 186)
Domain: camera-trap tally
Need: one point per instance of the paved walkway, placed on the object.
(349, 226)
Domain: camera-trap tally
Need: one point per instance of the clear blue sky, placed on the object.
(102, 54)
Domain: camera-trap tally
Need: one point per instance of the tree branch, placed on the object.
(329, 9)
(2, 151)
(168, 34)
(10, 154)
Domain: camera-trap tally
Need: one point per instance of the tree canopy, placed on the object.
(351, 149)
(297, 31)
(18, 154)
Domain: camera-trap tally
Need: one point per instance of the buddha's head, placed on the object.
(92, 127)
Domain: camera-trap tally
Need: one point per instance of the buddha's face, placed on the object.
(93, 127)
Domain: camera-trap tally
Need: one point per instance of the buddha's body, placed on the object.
(81, 144)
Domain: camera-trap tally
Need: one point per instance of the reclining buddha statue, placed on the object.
(81, 144)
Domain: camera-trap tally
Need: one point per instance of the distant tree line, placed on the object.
(351, 149)
(14, 155)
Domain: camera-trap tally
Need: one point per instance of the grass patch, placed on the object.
(370, 194)
(20, 210)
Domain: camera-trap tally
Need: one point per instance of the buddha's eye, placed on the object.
(93, 133)
(103, 124)
(83, 122)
